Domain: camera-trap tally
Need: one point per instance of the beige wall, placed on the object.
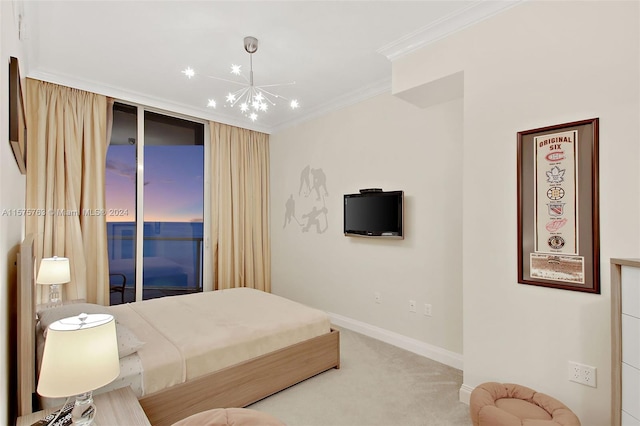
(12, 194)
(386, 143)
(539, 64)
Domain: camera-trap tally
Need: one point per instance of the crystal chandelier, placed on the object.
(252, 100)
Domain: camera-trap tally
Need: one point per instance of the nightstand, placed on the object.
(118, 407)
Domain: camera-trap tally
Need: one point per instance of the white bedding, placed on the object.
(192, 335)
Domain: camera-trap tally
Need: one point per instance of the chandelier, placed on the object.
(249, 98)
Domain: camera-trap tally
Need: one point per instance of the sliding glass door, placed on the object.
(155, 182)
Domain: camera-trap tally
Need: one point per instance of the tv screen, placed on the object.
(374, 214)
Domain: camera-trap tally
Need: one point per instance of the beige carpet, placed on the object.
(377, 385)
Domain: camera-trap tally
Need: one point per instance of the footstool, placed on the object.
(508, 404)
(230, 417)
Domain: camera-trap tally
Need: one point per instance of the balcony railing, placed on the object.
(171, 265)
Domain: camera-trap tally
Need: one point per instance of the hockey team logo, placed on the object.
(555, 193)
(556, 209)
(556, 242)
(555, 225)
(555, 156)
(556, 175)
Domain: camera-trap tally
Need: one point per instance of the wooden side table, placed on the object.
(118, 407)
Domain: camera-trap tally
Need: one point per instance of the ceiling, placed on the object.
(336, 52)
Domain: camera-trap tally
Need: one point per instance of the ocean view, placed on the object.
(172, 254)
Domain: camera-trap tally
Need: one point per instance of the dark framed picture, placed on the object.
(558, 216)
(17, 114)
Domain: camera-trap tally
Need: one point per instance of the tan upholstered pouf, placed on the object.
(230, 417)
(507, 404)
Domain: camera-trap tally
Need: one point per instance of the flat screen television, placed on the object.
(374, 213)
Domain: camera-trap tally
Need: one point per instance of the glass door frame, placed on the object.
(207, 282)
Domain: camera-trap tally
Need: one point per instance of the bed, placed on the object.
(191, 363)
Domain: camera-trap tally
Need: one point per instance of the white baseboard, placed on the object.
(435, 353)
(465, 393)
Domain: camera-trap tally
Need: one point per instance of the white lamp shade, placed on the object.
(54, 270)
(79, 356)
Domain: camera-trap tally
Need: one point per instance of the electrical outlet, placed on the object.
(412, 306)
(377, 297)
(427, 309)
(589, 375)
(574, 372)
(583, 374)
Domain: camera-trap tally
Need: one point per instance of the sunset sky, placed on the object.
(174, 183)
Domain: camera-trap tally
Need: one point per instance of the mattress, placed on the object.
(191, 335)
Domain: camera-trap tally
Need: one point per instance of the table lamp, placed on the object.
(54, 271)
(80, 355)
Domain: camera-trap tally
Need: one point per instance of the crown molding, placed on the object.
(350, 98)
(441, 28)
(343, 101)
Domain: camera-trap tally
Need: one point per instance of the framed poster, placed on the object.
(17, 121)
(558, 217)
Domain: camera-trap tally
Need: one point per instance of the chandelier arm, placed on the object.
(254, 95)
(229, 81)
(248, 94)
(236, 95)
(266, 96)
(274, 95)
(276, 84)
(243, 92)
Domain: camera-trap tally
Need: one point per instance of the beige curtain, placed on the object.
(241, 253)
(66, 155)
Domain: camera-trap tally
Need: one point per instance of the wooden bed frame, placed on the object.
(236, 386)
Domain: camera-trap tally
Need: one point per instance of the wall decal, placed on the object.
(290, 211)
(312, 191)
(312, 219)
(319, 181)
(304, 181)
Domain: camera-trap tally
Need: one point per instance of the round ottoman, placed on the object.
(507, 404)
(230, 417)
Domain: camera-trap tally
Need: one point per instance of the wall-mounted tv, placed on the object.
(374, 213)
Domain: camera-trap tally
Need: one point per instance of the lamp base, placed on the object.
(84, 411)
(54, 293)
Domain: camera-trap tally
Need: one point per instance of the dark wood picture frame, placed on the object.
(554, 250)
(17, 114)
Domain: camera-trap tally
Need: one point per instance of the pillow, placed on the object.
(48, 316)
(128, 343)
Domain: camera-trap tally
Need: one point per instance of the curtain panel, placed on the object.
(241, 252)
(66, 159)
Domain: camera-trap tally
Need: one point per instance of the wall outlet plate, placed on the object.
(581, 373)
(427, 309)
